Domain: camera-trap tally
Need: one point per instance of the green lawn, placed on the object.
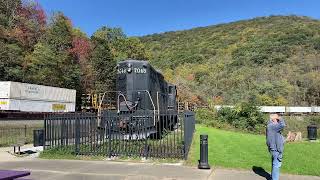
(239, 150)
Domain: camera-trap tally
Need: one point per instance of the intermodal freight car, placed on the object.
(284, 109)
(33, 98)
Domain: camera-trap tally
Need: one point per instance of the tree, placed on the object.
(30, 24)
(103, 61)
(11, 57)
(81, 49)
(59, 33)
(43, 66)
(135, 49)
(52, 62)
(8, 12)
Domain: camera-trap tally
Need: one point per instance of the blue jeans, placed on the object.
(276, 164)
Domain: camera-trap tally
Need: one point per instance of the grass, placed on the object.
(239, 150)
(171, 145)
(300, 123)
(68, 153)
(228, 149)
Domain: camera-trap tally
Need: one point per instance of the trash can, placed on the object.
(38, 137)
(312, 132)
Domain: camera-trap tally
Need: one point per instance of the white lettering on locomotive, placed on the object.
(140, 70)
(135, 70)
(122, 71)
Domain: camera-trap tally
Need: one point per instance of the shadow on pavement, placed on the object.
(261, 172)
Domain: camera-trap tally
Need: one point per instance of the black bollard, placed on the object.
(203, 162)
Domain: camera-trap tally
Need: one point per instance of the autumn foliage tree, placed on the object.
(35, 48)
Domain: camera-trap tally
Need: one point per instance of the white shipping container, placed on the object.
(24, 91)
(35, 106)
(218, 107)
(316, 109)
(298, 109)
(273, 109)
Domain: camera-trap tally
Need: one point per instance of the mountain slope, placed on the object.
(267, 60)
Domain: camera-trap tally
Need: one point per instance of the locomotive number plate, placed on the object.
(135, 70)
(140, 70)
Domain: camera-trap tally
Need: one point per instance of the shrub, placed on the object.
(205, 116)
(243, 116)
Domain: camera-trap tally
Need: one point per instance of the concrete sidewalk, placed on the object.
(76, 169)
(95, 170)
(231, 174)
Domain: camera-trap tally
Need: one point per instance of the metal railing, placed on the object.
(131, 133)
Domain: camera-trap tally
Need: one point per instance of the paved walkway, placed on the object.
(229, 174)
(6, 153)
(96, 170)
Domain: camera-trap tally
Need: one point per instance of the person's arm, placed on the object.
(280, 125)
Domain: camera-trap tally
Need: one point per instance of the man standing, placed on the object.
(275, 143)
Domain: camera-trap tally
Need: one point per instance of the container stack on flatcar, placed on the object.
(298, 110)
(24, 97)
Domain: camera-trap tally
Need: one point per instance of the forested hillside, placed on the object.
(267, 60)
(48, 50)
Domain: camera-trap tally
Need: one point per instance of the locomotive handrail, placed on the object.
(118, 103)
(158, 106)
(125, 101)
(154, 108)
(100, 104)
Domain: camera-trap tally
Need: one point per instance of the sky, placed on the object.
(142, 17)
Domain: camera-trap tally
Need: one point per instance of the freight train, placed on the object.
(284, 109)
(145, 102)
(30, 101)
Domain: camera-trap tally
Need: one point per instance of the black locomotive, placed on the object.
(146, 103)
(137, 80)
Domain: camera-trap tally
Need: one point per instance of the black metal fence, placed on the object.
(140, 133)
(12, 135)
(189, 117)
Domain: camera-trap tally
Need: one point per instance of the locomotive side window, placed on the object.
(170, 89)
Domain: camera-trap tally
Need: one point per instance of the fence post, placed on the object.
(109, 122)
(146, 147)
(189, 126)
(185, 134)
(62, 132)
(77, 129)
(45, 131)
(25, 132)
